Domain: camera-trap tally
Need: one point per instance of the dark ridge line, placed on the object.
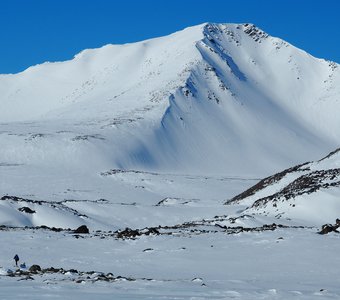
(265, 182)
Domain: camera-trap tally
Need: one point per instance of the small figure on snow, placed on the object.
(23, 266)
(16, 258)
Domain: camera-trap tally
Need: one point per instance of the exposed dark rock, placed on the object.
(34, 269)
(264, 183)
(147, 250)
(126, 278)
(150, 230)
(19, 199)
(82, 229)
(56, 229)
(120, 171)
(165, 200)
(80, 281)
(132, 233)
(26, 210)
(88, 137)
(327, 228)
(330, 154)
(51, 270)
(53, 204)
(254, 32)
(128, 233)
(26, 278)
(305, 184)
(49, 228)
(102, 277)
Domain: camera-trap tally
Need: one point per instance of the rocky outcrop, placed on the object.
(82, 230)
(327, 228)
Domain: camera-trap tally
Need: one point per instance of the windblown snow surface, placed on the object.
(158, 147)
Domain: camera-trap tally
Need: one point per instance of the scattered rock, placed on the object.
(77, 276)
(128, 233)
(151, 230)
(51, 270)
(132, 233)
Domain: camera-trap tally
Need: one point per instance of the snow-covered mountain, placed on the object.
(308, 192)
(143, 143)
(214, 98)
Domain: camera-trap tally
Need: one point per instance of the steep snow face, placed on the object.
(308, 193)
(251, 104)
(215, 98)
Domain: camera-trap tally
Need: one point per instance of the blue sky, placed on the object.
(34, 31)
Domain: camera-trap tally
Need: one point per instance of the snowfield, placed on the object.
(159, 148)
(281, 264)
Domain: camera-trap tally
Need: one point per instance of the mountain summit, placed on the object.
(214, 98)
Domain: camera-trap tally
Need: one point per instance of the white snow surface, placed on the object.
(161, 133)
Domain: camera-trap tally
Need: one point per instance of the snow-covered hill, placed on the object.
(308, 193)
(214, 98)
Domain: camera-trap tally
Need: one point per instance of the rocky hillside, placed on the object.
(310, 191)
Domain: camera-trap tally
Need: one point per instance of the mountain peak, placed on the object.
(209, 98)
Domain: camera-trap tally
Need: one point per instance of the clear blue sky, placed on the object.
(34, 31)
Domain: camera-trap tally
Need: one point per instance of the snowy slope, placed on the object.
(214, 98)
(308, 193)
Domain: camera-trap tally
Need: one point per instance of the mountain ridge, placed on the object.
(205, 99)
(307, 192)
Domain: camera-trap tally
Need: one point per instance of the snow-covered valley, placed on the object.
(159, 148)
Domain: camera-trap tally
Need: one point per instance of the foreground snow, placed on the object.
(195, 256)
(281, 264)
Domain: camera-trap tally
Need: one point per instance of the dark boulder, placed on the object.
(327, 228)
(82, 229)
(34, 269)
(27, 210)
